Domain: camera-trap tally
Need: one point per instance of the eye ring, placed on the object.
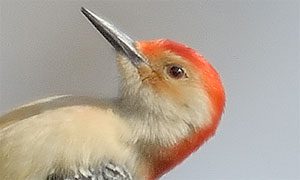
(175, 71)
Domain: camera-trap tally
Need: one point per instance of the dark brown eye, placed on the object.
(175, 71)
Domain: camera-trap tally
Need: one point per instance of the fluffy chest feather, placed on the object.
(65, 138)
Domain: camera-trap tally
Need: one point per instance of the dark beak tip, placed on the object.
(83, 10)
(120, 41)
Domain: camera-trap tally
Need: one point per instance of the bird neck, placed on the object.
(167, 158)
(158, 122)
(164, 133)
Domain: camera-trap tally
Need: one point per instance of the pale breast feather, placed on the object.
(50, 103)
(63, 133)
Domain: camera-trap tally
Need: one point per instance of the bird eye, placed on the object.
(175, 71)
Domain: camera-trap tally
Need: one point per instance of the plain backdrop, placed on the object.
(49, 48)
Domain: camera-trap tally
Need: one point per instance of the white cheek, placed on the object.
(200, 105)
(159, 119)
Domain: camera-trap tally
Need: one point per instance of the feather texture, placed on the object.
(70, 136)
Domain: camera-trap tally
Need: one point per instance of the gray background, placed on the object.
(49, 48)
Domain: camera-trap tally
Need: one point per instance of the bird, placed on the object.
(170, 103)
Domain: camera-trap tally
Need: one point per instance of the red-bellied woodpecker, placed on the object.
(171, 102)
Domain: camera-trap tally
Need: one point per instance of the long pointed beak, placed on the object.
(120, 41)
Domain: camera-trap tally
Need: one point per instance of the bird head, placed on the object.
(174, 96)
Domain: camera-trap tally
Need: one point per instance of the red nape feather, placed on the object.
(169, 158)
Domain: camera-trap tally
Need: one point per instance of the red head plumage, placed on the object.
(170, 157)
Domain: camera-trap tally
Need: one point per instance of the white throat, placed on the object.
(156, 119)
